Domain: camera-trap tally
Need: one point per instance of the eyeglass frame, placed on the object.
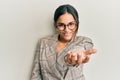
(62, 25)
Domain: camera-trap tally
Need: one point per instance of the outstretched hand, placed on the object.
(77, 58)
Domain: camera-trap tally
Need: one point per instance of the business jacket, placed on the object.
(48, 65)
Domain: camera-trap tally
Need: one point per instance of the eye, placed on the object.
(61, 25)
(71, 24)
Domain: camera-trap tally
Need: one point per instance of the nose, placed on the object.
(66, 28)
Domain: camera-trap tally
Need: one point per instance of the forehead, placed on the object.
(66, 18)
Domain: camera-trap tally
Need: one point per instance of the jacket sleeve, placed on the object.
(36, 70)
(87, 43)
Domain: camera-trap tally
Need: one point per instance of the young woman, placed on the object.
(61, 56)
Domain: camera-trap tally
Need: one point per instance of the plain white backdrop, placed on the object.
(23, 22)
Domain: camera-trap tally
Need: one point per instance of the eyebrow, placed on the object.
(64, 23)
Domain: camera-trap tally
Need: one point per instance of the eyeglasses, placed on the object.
(62, 26)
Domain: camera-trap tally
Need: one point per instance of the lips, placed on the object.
(66, 34)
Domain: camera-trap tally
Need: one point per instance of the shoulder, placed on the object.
(83, 39)
(86, 41)
(48, 39)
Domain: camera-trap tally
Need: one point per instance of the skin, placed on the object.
(79, 57)
(65, 36)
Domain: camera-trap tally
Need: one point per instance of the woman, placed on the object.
(61, 56)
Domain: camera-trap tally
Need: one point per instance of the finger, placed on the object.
(86, 59)
(68, 58)
(91, 51)
(79, 58)
(73, 59)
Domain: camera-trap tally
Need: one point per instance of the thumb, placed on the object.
(90, 51)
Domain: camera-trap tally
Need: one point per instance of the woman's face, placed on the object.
(66, 26)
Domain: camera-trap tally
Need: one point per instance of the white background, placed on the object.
(23, 22)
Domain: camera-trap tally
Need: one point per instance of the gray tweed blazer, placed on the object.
(48, 65)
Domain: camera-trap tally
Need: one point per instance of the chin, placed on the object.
(68, 38)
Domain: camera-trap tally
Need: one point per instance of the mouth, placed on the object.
(67, 34)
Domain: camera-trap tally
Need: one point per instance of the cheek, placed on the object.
(74, 31)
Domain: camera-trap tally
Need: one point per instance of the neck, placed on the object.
(63, 40)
